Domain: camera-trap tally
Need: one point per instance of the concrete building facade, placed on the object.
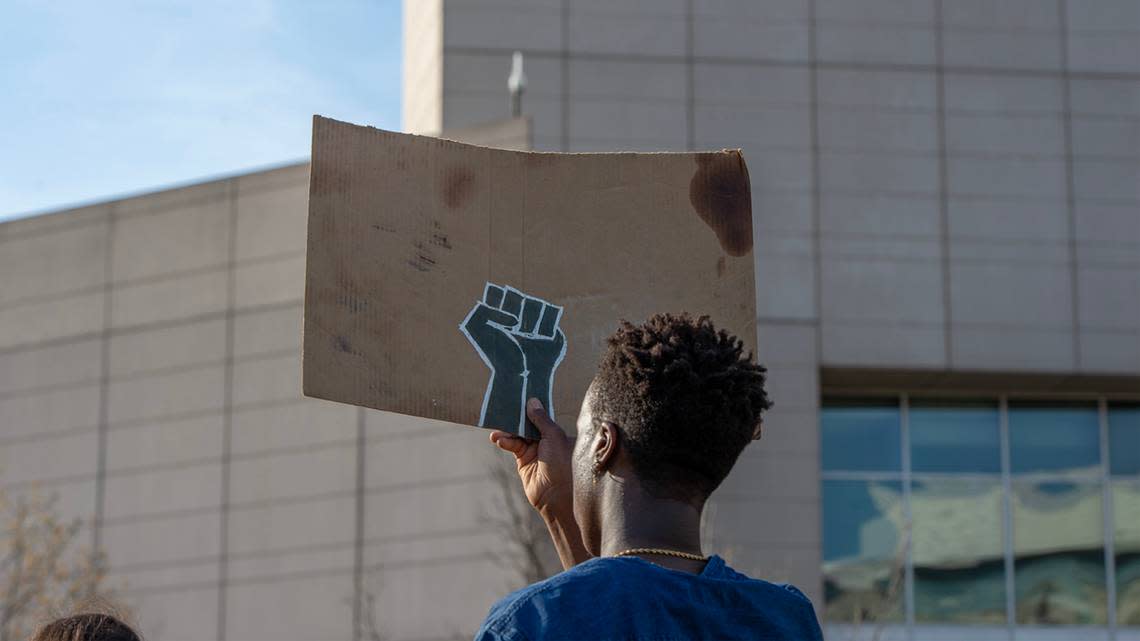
(946, 212)
(151, 380)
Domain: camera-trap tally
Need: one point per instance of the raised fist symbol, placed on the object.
(517, 336)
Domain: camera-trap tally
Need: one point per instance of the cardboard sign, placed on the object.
(452, 282)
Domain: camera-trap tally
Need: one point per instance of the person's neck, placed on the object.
(635, 519)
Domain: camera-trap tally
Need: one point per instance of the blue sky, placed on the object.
(99, 99)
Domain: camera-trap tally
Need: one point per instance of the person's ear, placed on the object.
(605, 445)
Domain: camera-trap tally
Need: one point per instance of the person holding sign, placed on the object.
(673, 404)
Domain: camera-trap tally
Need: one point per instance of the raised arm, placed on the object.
(544, 469)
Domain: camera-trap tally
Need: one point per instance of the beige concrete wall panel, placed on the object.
(242, 568)
(272, 221)
(44, 459)
(406, 596)
(163, 491)
(284, 525)
(68, 363)
(169, 299)
(167, 442)
(268, 330)
(164, 241)
(272, 282)
(138, 579)
(24, 228)
(293, 475)
(167, 348)
(35, 414)
(159, 396)
(38, 320)
(460, 503)
(267, 380)
(321, 605)
(292, 425)
(65, 260)
(457, 452)
(176, 615)
(168, 540)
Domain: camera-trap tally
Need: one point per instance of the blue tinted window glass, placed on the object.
(1124, 439)
(1053, 438)
(863, 550)
(957, 437)
(1126, 508)
(860, 437)
(958, 551)
(1058, 547)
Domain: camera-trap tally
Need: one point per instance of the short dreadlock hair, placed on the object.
(686, 398)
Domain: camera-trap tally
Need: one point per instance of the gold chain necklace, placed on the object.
(663, 552)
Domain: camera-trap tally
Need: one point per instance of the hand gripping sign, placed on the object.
(518, 337)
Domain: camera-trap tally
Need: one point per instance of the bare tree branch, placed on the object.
(42, 570)
(370, 625)
(528, 549)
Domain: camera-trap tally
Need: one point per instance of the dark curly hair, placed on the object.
(686, 398)
(88, 626)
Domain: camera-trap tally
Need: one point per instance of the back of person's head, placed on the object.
(686, 398)
(88, 626)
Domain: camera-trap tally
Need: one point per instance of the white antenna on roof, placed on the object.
(516, 83)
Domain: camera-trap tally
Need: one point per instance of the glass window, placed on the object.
(863, 550)
(1126, 516)
(861, 436)
(1124, 439)
(1054, 438)
(955, 437)
(961, 495)
(1058, 548)
(959, 556)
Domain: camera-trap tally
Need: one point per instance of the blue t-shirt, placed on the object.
(610, 599)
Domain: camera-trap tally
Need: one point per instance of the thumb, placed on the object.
(508, 442)
(537, 415)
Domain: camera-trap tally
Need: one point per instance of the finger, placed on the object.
(549, 322)
(493, 295)
(531, 311)
(537, 415)
(512, 302)
(508, 442)
(484, 314)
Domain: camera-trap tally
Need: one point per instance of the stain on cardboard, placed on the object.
(721, 264)
(722, 196)
(354, 304)
(420, 264)
(438, 238)
(458, 187)
(422, 259)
